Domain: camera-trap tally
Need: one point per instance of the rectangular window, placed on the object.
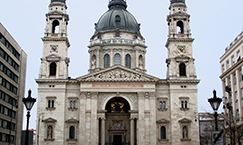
(229, 83)
(5, 124)
(223, 69)
(233, 60)
(236, 95)
(235, 80)
(227, 64)
(238, 55)
(5, 110)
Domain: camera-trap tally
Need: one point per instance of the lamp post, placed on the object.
(28, 102)
(215, 102)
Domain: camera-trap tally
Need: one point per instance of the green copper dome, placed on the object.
(117, 17)
(177, 1)
(62, 1)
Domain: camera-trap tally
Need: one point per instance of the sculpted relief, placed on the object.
(118, 74)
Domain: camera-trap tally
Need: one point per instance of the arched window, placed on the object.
(71, 132)
(117, 59)
(162, 132)
(164, 105)
(185, 104)
(49, 132)
(107, 61)
(185, 132)
(182, 69)
(55, 26)
(74, 104)
(140, 62)
(49, 103)
(160, 105)
(180, 27)
(52, 104)
(128, 61)
(53, 68)
(71, 104)
(182, 104)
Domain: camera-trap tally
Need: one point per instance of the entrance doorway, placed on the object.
(117, 139)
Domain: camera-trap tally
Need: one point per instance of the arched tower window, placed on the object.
(107, 61)
(185, 104)
(71, 132)
(71, 104)
(117, 59)
(128, 61)
(182, 69)
(162, 132)
(53, 68)
(55, 26)
(180, 27)
(182, 104)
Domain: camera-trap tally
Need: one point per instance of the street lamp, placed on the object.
(215, 102)
(28, 102)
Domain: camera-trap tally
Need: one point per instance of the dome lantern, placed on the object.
(62, 1)
(177, 1)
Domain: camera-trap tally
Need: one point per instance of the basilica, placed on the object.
(117, 102)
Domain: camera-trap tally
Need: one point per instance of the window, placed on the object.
(162, 132)
(237, 114)
(118, 18)
(223, 69)
(182, 104)
(49, 132)
(241, 92)
(117, 34)
(184, 132)
(128, 61)
(71, 104)
(160, 105)
(236, 95)
(107, 61)
(233, 60)
(182, 69)
(180, 27)
(55, 26)
(53, 68)
(185, 104)
(50, 103)
(238, 56)
(227, 64)
(71, 132)
(117, 59)
(74, 104)
(235, 80)
(164, 105)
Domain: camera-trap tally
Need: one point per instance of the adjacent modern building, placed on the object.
(12, 88)
(207, 128)
(232, 81)
(117, 102)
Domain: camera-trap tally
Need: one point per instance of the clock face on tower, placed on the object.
(54, 48)
(181, 49)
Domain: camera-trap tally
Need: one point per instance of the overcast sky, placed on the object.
(214, 25)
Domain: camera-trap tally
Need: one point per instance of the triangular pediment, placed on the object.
(118, 73)
(50, 120)
(185, 120)
(162, 121)
(72, 120)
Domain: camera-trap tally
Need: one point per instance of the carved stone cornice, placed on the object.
(186, 81)
(57, 39)
(40, 81)
(178, 40)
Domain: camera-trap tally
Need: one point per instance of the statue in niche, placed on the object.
(93, 62)
(49, 132)
(140, 62)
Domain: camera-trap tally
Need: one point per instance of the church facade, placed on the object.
(117, 102)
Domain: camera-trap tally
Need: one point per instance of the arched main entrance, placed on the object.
(117, 122)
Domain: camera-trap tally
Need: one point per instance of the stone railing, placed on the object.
(117, 41)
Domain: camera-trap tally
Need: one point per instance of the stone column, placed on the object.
(132, 131)
(102, 131)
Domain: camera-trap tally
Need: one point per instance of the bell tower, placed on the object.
(180, 62)
(54, 62)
